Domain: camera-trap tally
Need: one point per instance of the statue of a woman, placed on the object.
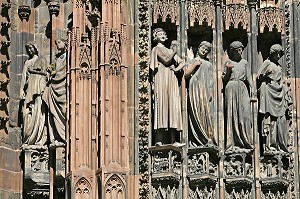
(238, 119)
(33, 84)
(56, 96)
(274, 101)
(167, 101)
(200, 101)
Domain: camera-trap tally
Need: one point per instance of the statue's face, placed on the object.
(203, 51)
(275, 56)
(30, 50)
(59, 44)
(161, 37)
(238, 52)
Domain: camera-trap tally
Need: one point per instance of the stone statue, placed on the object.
(56, 96)
(33, 84)
(167, 101)
(200, 98)
(238, 118)
(274, 102)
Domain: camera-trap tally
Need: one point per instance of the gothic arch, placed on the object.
(83, 189)
(115, 187)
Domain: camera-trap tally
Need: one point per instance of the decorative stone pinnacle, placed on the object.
(24, 12)
(6, 5)
(53, 8)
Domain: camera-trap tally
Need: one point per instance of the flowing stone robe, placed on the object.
(273, 105)
(56, 101)
(200, 104)
(167, 101)
(238, 117)
(34, 109)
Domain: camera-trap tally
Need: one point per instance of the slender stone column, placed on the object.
(253, 63)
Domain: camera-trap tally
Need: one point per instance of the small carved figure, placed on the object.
(238, 122)
(200, 103)
(167, 101)
(33, 84)
(274, 102)
(56, 96)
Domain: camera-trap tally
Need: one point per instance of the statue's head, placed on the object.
(236, 49)
(60, 45)
(31, 48)
(204, 49)
(159, 35)
(276, 52)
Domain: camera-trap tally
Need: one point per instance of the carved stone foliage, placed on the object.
(235, 15)
(244, 193)
(238, 169)
(202, 192)
(165, 9)
(165, 161)
(201, 11)
(115, 188)
(270, 17)
(164, 191)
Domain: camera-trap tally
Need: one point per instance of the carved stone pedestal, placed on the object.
(36, 173)
(202, 172)
(275, 176)
(238, 174)
(59, 179)
(166, 171)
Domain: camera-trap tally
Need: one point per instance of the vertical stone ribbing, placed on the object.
(144, 96)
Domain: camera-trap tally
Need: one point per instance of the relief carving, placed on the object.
(238, 118)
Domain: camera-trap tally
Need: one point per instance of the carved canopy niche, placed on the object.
(236, 14)
(201, 11)
(165, 9)
(83, 189)
(270, 17)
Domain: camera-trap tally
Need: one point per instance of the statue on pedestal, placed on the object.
(33, 84)
(200, 98)
(274, 103)
(55, 96)
(238, 118)
(167, 100)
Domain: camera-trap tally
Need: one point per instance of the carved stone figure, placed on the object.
(238, 122)
(33, 84)
(56, 96)
(274, 102)
(167, 101)
(200, 103)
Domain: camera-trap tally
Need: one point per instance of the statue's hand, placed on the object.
(174, 46)
(268, 71)
(22, 95)
(229, 65)
(197, 62)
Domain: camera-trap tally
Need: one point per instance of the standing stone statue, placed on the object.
(33, 84)
(167, 101)
(274, 101)
(238, 118)
(56, 96)
(200, 98)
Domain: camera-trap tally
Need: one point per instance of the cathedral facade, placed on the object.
(160, 99)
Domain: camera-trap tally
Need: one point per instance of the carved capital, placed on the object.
(252, 3)
(53, 8)
(217, 2)
(24, 12)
